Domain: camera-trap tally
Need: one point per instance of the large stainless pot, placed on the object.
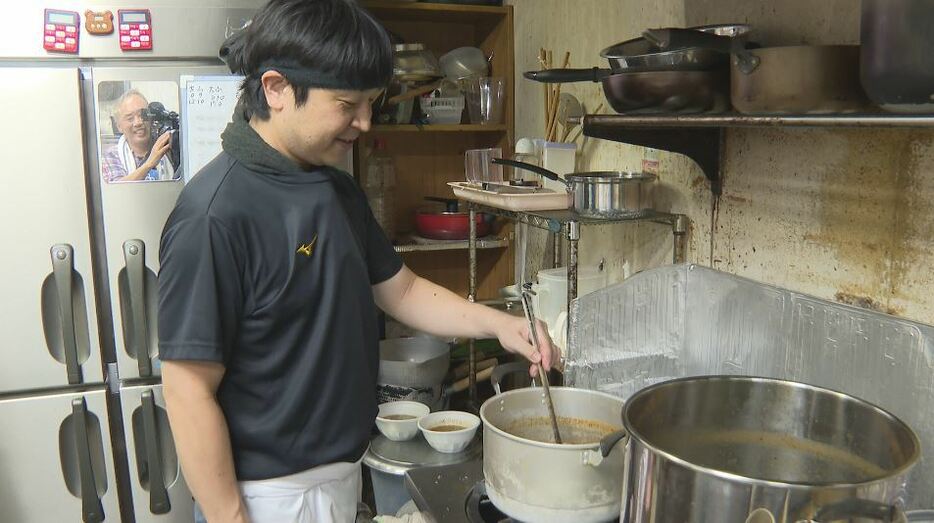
(413, 369)
(896, 65)
(529, 480)
(756, 450)
(601, 194)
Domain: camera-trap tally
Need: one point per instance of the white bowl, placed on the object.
(449, 441)
(400, 429)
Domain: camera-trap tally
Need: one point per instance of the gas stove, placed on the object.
(453, 494)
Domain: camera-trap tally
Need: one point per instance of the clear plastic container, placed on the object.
(414, 63)
(379, 185)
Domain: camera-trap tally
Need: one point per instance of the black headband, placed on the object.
(314, 77)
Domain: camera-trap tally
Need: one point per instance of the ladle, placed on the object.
(527, 292)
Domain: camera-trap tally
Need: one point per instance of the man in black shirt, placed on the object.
(272, 269)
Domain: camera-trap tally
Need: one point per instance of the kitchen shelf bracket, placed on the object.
(699, 144)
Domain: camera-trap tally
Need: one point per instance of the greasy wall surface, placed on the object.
(840, 214)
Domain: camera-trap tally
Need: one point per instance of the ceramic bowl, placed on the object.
(398, 420)
(449, 431)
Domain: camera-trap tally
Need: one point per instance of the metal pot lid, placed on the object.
(641, 47)
(396, 457)
(610, 177)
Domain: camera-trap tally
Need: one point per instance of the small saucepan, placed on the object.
(600, 194)
(448, 224)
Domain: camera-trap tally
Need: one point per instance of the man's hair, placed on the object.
(332, 44)
(115, 111)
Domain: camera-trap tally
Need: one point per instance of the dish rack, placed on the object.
(443, 110)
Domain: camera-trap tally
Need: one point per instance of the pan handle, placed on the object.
(560, 76)
(675, 38)
(551, 175)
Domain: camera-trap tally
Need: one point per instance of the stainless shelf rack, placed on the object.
(482, 243)
(555, 222)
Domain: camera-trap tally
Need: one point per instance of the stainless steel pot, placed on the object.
(896, 66)
(600, 194)
(534, 481)
(757, 450)
(413, 369)
(420, 361)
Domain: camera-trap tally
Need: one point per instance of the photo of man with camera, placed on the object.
(148, 134)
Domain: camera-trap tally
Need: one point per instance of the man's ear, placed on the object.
(277, 90)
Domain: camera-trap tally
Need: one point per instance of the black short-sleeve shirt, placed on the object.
(271, 274)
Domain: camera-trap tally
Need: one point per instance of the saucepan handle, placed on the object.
(595, 457)
(551, 175)
(560, 76)
(501, 371)
(860, 508)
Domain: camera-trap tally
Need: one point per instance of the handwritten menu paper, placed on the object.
(207, 105)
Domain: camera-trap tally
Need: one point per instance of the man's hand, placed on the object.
(514, 335)
(159, 149)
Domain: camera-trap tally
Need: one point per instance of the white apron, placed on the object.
(324, 494)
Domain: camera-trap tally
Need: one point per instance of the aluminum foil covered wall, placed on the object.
(688, 320)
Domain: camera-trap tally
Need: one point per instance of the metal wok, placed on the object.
(641, 54)
(652, 91)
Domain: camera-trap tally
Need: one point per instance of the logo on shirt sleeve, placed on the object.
(307, 248)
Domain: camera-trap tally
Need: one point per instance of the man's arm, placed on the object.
(159, 149)
(201, 437)
(431, 308)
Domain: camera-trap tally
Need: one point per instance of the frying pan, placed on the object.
(642, 55)
(777, 80)
(651, 91)
(448, 224)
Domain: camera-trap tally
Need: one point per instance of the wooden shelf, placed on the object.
(429, 12)
(427, 157)
(454, 128)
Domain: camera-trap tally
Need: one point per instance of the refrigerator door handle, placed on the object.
(134, 252)
(92, 511)
(158, 495)
(63, 265)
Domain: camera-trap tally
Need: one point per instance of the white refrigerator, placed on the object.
(83, 430)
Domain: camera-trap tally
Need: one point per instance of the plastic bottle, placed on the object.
(380, 186)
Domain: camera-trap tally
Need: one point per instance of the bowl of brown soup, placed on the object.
(449, 431)
(398, 420)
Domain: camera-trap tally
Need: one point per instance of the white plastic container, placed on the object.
(551, 291)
